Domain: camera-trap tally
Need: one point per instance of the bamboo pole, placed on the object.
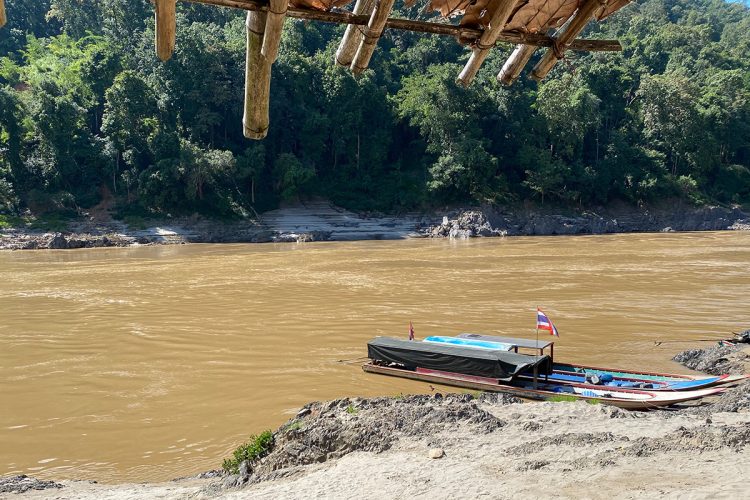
(353, 35)
(462, 33)
(274, 25)
(582, 17)
(372, 34)
(3, 18)
(481, 49)
(257, 79)
(515, 64)
(166, 27)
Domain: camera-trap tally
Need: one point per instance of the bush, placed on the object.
(257, 447)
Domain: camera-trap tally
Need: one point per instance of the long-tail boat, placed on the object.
(503, 371)
(575, 373)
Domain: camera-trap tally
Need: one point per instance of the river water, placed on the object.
(143, 364)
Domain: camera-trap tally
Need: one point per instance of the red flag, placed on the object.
(411, 331)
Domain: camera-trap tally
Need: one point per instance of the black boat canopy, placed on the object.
(450, 358)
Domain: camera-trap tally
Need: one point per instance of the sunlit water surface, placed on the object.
(151, 363)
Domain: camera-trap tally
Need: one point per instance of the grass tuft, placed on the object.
(257, 447)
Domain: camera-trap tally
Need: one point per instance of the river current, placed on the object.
(150, 363)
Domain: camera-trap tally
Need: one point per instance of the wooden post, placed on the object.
(515, 64)
(257, 79)
(3, 19)
(353, 35)
(274, 25)
(166, 27)
(503, 11)
(372, 35)
(584, 14)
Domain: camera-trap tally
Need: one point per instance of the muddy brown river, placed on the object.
(150, 363)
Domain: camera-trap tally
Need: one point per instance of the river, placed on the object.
(149, 363)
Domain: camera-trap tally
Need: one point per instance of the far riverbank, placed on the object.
(321, 221)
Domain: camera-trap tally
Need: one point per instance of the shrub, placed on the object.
(257, 447)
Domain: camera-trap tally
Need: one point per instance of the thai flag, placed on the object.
(544, 323)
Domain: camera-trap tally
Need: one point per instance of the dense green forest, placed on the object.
(88, 112)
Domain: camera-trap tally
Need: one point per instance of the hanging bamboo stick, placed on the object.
(371, 35)
(3, 19)
(353, 35)
(257, 79)
(481, 49)
(274, 25)
(166, 27)
(582, 17)
(515, 64)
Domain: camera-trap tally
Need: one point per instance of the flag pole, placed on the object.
(536, 367)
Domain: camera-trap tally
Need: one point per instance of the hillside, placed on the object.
(88, 113)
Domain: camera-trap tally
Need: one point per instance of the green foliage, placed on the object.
(562, 398)
(351, 410)
(86, 108)
(257, 447)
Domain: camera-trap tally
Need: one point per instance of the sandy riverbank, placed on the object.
(497, 449)
(321, 221)
(488, 445)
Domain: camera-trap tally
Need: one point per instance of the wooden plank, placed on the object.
(353, 35)
(562, 41)
(274, 26)
(372, 34)
(481, 49)
(3, 18)
(166, 27)
(458, 32)
(257, 79)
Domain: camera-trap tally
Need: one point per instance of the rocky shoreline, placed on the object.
(466, 445)
(321, 221)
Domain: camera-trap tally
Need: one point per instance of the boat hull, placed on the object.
(629, 399)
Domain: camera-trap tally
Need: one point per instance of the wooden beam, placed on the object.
(274, 25)
(515, 64)
(257, 79)
(562, 41)
(3, 18)
(459, 32)
(166, 27)
(372, 34)
(353, 35)
(481, 49)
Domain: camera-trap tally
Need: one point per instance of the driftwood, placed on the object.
(257, 79)
(459, 32)
(583, 15)
(274, 24)
(515, 64)
(482, 47)
(353, 35)
(166, 27)
(3, 19)
(372, 34)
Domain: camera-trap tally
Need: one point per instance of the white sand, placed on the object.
(480, 465)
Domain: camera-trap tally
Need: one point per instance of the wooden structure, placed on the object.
(478, 24)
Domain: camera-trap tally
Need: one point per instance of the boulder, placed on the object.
(57, 242)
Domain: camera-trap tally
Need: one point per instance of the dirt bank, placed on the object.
(321, 221)
(483, 446)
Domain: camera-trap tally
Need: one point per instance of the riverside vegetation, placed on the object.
(88, 113)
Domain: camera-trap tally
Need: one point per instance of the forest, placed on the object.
(88, 113)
